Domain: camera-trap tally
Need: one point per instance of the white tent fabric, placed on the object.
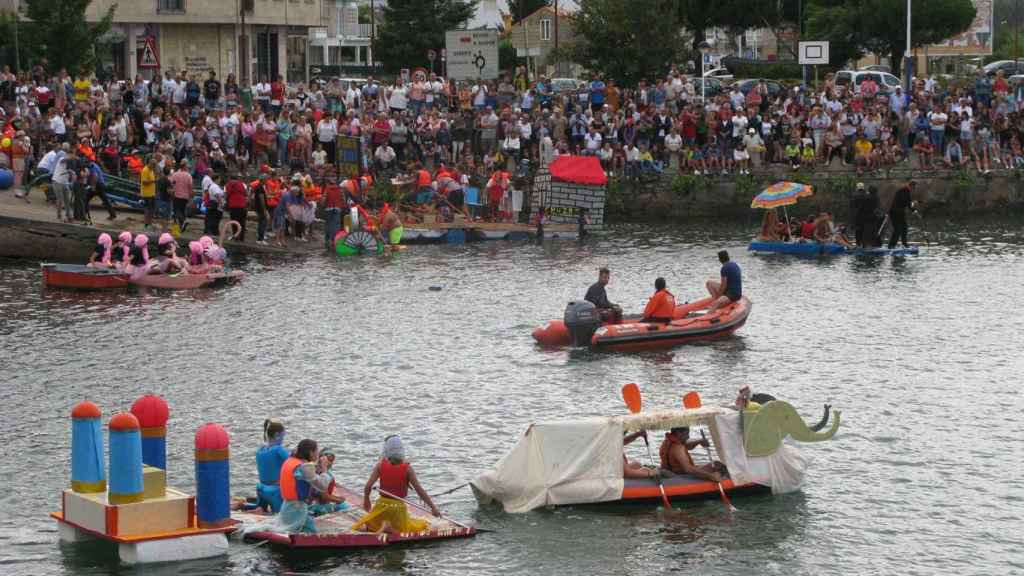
(783, 471)
(572, 462)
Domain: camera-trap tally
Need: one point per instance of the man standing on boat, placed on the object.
(729, 288)
(898, 214)
(597, 296)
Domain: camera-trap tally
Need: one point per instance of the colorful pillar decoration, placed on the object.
(88, 473)
(213, 493)
(125, 460)
(152, 413)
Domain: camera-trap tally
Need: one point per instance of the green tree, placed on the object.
(519, 9)
(626, 44)
(58, 30)
(699, 16)
(879, 26)
(411, 27)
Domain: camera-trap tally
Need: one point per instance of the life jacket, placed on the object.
(291, 487)
(665, 453)
(87, 151)
(394, 478)
(423, 179)
(134, 163)
(661, 306)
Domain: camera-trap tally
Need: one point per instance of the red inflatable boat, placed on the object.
(692, 322)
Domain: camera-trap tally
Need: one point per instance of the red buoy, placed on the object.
(151, 411)
(86, 410)
(123, 421)
(211, 437)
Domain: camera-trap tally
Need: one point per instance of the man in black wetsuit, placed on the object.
(901, 202)
(597, 296)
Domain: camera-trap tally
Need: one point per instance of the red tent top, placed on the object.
(579, 170)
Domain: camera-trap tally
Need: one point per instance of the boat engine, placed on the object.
(581, 320)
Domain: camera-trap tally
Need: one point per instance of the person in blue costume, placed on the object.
(269, 459)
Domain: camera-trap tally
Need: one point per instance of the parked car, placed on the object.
(877, 68)
(719, 73)
(774, 86)
(886, 82)
(713, 88)
(567, 85)
(1009, 67)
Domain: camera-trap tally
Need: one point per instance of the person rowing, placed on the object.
(120, 254)
(167, 258)
(662, 306)
(597, 296)
(632, 468)
(396, 476)
(675, 456)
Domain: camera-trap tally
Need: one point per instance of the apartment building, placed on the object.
(251, 38)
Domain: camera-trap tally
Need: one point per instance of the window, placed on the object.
(170, 6)
(545, 29)
(316, 55)
(334, 55)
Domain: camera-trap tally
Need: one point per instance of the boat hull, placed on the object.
(830, 249)
(681, 488)
(185, 281)
(79, 277)
(696, 327)
(554, 332)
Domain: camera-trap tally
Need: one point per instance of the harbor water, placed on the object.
(921, 354)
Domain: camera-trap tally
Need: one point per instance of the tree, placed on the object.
(519, 9)
(411, 27)
(699, 16)
(626, 44)
(59, 30)
(880, 26)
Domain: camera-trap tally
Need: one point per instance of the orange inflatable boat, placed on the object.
(692, 322)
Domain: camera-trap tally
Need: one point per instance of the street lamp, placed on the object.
(704, 47)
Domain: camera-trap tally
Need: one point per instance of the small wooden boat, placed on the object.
(186, 281)
(829, 249)
(583, 458)
(334, 530)
(80, 277)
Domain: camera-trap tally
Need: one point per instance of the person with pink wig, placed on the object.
(168, 261)
(100, 257)
(139, 264)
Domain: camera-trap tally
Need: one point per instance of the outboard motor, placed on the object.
(581, 320)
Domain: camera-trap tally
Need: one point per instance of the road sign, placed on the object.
(147, 55)
(472, 54)
(814, 52)
(431, 55)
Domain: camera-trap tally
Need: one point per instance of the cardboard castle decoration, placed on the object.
(568, 185)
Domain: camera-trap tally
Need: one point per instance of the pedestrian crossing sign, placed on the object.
(147, 53)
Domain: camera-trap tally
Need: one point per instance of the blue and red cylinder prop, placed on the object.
(152, 414)
(88, 473)
(213, 478)
(126, 484)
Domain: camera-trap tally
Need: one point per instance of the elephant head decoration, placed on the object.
(764, 429)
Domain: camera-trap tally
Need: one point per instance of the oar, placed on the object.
(631, 396)
(417, 506)
(692, 401)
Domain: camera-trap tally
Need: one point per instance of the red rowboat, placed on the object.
(79, 277)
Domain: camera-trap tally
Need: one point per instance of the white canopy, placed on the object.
(580, 461)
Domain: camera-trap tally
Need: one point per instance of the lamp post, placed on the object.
(908, 59)
(703, 47)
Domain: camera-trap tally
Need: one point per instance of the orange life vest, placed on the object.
(394, 478)
(292, 488)
(668, 461)
(661, 306)
(423, 179)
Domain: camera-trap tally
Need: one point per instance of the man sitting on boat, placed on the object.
(729, 288)
(675, 456)
(661, 306)
(597, 296)
(396, 476)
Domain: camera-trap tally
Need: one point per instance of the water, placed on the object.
(921, 354)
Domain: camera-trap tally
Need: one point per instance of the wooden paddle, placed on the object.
(631, 396)
(692, 401)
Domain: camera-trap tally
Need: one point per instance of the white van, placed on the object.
(886, 82)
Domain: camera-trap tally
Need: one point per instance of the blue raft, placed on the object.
(830, 249)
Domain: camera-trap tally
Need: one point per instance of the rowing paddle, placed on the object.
(692, 401)
(631, 396)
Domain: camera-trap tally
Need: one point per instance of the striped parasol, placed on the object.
(781, 194)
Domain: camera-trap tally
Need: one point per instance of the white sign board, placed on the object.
(814, 52)
(472, 54)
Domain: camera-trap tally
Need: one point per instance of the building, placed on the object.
(153, 36)
(536, 37)
(344, 46)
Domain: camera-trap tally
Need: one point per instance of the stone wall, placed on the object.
(563, 200)
(939, 193)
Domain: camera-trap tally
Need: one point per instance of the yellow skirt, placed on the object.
(390, 515)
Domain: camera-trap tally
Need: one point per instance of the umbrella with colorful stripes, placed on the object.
(781, 194)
